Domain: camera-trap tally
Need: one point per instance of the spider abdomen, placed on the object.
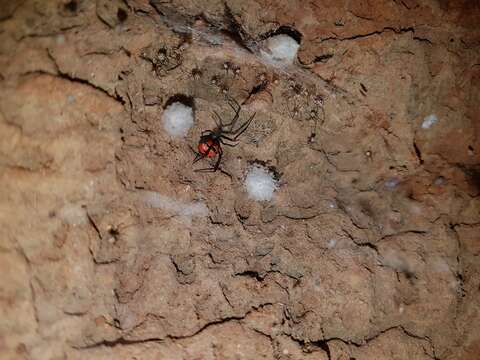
(209, 147)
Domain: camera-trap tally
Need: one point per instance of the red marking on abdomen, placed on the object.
(209, 148)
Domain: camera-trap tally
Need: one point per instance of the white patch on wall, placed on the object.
(429, 121)
(260, 183)
(391, 183)
(177, 119)
(281, 49)
(186, 209)
(440, 265)
(397, 261)
(331, 243)
(73, 214)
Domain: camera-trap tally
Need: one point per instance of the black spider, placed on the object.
(211, 141)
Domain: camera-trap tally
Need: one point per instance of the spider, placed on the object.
(211, 141)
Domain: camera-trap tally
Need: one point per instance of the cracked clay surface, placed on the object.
(113, 247)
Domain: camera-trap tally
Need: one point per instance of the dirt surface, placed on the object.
(112, 247)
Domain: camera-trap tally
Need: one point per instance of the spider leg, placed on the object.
(231, 101)
(243, 127)
(198, 156)
(217, 164)
(210, 169)
(218, 122)
(240, 129)
(222, 136)
(236, 110)
(206, 132)
(225, 143)
(231, 123)
(216, 167)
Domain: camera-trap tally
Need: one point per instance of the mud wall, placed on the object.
(369, 249)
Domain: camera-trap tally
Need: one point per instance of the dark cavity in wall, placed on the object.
(181, 98)
(121, 15)
(71, 6)
(276, 174)
(285, 30)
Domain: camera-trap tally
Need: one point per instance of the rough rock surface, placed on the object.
(370, 247)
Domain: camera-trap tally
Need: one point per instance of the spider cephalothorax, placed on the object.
(211, 141)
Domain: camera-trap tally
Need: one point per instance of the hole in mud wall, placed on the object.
(473, 176)
(276, 174)
(71, 6)
(285, 30)
(181, 98)
(121, 15)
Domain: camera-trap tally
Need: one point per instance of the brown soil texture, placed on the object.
(370, 246)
